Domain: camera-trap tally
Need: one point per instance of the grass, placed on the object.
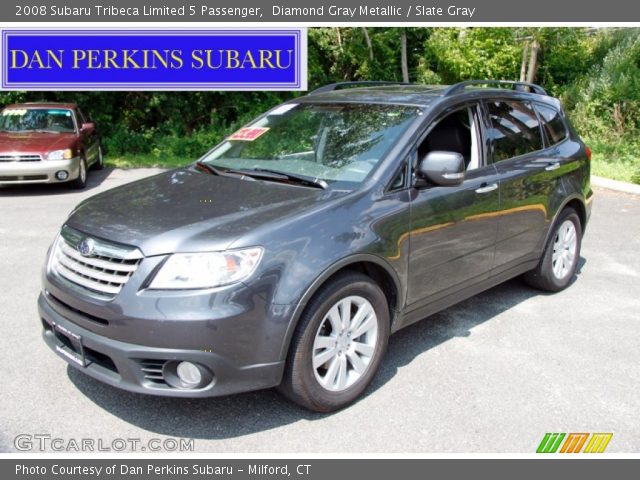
(626, 172)
(619, 160)
(145, 161)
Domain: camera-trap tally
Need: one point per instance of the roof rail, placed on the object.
(459, 87)
(340, 85)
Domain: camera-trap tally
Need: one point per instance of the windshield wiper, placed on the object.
(264, 173)
(210, 169)
(278, 175)
(202, 166)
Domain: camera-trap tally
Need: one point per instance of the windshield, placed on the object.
(37, 119)
(337, 143)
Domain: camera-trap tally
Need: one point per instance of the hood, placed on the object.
(34, 142)
(187, 211)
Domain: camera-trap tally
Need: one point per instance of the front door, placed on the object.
(453, 229)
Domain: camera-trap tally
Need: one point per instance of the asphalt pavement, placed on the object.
(492, 374)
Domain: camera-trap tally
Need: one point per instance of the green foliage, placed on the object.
(604, 104)
(607, 100)
(456, 54)
(566, 53)
(341, 54)
(617, 159)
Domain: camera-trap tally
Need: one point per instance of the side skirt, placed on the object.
(412, 316)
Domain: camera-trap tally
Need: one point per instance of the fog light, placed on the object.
(62, 175)
(185, 375)
(189, 373)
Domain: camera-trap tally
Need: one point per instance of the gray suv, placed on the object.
(288, 253)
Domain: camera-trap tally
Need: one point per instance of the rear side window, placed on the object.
(513, 129)
(552, 123)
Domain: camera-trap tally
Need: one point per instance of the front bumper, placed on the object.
(144, 369)
(43, 171)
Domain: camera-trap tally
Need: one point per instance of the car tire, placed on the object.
(81, 180)
(338, 344)
(559, 261)
(99, 164)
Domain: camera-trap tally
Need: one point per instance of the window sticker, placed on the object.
(249, 134)
(14, 112)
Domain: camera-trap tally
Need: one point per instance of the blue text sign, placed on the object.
(218, 59)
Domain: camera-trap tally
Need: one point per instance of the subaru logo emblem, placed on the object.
(86, 246)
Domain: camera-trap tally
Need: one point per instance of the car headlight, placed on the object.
(60, 154)
(206, 270)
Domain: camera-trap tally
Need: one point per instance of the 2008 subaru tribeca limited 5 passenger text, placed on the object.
(287, 254)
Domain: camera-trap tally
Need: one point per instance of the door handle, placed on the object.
(487, 188)
(552, 166)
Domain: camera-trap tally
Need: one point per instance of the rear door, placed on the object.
(89, 138)
(529, 178)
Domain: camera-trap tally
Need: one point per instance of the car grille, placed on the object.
(104, 271)
(20, 158)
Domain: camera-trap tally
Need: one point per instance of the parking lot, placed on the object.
(493, 374)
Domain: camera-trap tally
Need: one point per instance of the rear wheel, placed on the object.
(560, 259)
(338, 345)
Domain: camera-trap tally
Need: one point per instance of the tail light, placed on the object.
(588, 153)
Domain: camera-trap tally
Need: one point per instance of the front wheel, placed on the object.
(559, 261)
(81, 181)
(338, 345)
(99, 164)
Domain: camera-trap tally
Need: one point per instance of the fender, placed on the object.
(562, 206)
(324, 276)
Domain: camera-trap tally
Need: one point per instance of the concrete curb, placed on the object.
(617, 185)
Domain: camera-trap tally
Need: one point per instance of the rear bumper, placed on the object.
(588, 205)
(143, 369)
(43, 171)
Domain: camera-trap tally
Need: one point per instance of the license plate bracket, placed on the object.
(70, 345)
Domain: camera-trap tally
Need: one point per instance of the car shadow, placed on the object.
(94, 180)
(237, 415)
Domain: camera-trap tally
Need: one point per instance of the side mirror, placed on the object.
(88, 127)
(442, 168)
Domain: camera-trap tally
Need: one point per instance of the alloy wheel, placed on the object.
(564, 249)
(345, 343)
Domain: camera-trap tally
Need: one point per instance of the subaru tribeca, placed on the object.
(287, 254)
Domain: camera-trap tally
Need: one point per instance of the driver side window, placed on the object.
(456, 132)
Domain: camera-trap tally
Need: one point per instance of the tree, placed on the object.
(457, 54)
(403, 56)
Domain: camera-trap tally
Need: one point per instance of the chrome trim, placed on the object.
(552, 166)
(453, 176)
(487, 188)
(103, 273)
(96, 262)
(20, 157)
(102, 248)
